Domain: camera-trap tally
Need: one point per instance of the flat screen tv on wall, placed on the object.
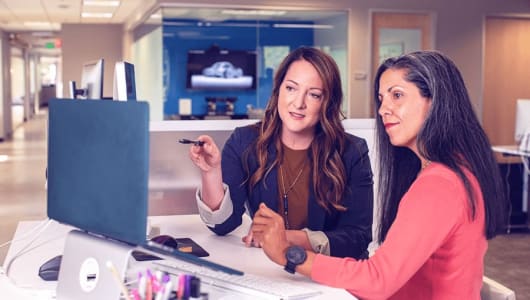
(218, 70)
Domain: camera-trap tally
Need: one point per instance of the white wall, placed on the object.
(83, 43)
(2, 98)
(147, 59)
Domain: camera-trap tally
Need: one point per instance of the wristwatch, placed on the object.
(295, 256)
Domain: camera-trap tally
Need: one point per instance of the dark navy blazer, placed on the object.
(349, 232)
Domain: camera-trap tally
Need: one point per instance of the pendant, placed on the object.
(286, 210)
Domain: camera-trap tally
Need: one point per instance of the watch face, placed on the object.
(295, 255)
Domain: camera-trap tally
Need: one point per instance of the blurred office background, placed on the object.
(44, 43)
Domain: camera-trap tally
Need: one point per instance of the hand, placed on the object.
(207, 156)
(268, 229)
(249, 240)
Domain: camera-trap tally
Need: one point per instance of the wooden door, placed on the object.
(401, 23)
(506, 75)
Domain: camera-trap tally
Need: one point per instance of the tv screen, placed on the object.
(221, 70)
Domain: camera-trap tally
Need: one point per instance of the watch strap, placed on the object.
(290, 267)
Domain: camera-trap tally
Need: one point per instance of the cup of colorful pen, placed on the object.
(163, 286)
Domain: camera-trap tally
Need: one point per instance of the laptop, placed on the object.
(98, 166)
(98, 169)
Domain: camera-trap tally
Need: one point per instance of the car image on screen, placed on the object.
(223, 69)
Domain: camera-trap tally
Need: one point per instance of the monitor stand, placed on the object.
(524, 145)
(84, 273)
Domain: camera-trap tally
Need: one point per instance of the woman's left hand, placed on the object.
(268, 230)
(249, 240)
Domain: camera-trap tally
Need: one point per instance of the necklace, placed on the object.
(286, 191)
(425, 164)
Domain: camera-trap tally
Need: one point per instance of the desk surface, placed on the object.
(525, 156)
(227, 250)
(510, 149)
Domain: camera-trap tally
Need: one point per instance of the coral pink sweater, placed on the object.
(434, 249)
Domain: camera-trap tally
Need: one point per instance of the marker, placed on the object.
(114, 272)
(148, 290)
(196, 143)
(136, 294)
(142, 282)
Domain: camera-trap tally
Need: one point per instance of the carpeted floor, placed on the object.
(508, 262)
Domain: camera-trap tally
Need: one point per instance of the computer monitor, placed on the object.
(92, 80)
(522, 124)
(124, 85)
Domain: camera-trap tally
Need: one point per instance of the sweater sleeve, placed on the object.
(428, 213)
(233, 176)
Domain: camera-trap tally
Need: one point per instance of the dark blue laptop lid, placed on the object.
(98, 166)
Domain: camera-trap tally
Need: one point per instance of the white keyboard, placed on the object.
(253, 285)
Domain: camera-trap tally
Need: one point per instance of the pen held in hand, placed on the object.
(186, 141)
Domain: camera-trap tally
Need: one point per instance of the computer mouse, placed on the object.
(49, 270)
(165, 240)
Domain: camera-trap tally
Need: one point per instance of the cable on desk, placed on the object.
(43, 223)
(46, 222)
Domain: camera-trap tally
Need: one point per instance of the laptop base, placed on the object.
(84, 273)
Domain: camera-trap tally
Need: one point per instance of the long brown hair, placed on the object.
(327, 169)
(451, 135)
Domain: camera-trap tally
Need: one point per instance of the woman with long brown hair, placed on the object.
(298, 160)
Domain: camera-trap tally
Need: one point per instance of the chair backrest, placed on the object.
(492, 290)
(365, 128)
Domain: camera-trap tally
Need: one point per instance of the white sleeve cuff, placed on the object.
(319, 241)
(210, 217)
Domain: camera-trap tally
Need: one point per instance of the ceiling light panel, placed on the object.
(105, 3)
(103, 15)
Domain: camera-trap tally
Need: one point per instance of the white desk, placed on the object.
(227, 250)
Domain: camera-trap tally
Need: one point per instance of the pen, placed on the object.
(186, 141)
(165, 288)
(136, 295)
(181, 284)
(148, 290)
(141, 285)
(114, 272)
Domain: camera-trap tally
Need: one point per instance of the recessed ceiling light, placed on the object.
(3, 158)
(96, 15)
(101, 3)
(37, 24)
(42, 34)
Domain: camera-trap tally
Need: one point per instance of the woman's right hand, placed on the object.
(207, 157)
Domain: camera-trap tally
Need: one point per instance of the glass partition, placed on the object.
(218, 63)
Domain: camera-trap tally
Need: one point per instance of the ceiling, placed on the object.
(48, 15)
(38, 22)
